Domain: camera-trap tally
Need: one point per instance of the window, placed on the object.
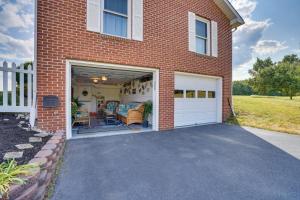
(179, 94)
(202, 36)
(115, 17)
(190, 94)
(211, 94)
(201, 94)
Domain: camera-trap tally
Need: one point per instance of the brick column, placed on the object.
(166, 99)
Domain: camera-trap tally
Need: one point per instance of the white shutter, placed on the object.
(137, 20)
(93, 15)
(192, 31)
(214, 39)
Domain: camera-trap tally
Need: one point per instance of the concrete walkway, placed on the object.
(286, 142)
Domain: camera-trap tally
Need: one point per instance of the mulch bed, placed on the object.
(11, 135)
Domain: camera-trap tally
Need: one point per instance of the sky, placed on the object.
(271, 29)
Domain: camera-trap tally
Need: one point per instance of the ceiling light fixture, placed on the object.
(104, 78)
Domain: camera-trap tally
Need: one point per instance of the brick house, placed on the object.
(178, 54)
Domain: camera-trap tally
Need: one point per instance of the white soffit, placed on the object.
(235, 19)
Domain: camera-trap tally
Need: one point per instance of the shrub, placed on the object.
(10, 173)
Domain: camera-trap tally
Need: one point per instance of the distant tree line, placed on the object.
(271, 78)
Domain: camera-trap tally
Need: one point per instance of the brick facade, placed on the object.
(62, 34)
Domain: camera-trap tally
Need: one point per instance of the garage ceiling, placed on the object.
(85, 74)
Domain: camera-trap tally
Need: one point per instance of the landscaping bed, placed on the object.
(15, 130)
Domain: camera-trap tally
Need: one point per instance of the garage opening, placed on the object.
(108, 101)
(197, 99)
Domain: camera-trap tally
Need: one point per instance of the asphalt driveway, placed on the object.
(207, 162)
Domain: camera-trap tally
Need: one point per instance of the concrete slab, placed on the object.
(286, 142)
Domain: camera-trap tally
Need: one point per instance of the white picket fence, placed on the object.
(14, 99)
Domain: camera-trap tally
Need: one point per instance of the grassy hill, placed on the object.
(272, 113)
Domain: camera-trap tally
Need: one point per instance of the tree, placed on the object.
(287, 77)
(242, 88)
(262, 74)
(293, 58)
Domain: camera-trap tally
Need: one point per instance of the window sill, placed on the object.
(114, 37)
(204, 55)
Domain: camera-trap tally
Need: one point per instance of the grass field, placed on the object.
(272, 113)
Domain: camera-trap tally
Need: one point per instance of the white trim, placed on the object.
(22, 87)
(226, 7)
(70, 63)
(15, 109)
(195, 125)
(192, 31)
(137, 20)
(93, 15)
(21, 70)
(109, 133)
(214, 39)
(68, 100)
(219, 96)
(5, 84)
(129, 19)
(33, 110)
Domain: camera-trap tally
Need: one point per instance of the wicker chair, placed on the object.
(133, 116)
(82, 117)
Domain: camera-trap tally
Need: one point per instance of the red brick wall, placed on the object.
(62, 35)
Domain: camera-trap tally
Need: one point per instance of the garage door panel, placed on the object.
(191, 111)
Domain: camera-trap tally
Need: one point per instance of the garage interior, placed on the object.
(108, 101)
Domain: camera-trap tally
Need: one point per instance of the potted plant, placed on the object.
(75, 105)
(147, 112)
(74, 110)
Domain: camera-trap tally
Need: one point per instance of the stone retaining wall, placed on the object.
(37, 184)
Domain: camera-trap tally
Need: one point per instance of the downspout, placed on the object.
(231, 99)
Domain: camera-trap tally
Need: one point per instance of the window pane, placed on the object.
(211, 94)
(201, 45)
(201, 29)
(115, 25)
(201, 94)
(190, 94)
(178, 94)
(119, 6)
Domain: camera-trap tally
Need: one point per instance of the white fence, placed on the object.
(17, 88)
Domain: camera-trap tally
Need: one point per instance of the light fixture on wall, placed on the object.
(95, 80)
(104, 78)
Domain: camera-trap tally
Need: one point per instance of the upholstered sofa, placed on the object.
(131, 113)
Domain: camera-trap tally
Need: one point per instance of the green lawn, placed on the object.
(272, 113)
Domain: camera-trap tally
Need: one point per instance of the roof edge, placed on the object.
(232, 14)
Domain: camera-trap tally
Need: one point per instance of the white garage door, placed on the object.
(197, 100)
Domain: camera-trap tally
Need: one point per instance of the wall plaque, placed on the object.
(50, 101)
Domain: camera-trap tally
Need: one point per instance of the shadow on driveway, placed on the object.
(206, 162)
